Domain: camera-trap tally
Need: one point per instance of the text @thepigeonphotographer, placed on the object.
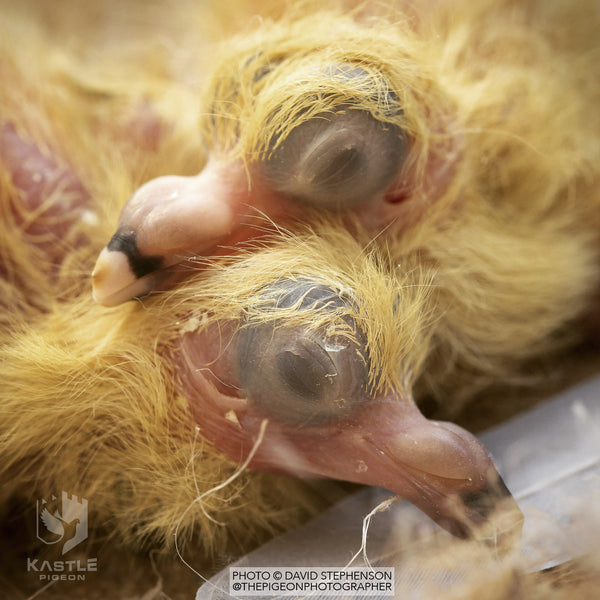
(333, 581)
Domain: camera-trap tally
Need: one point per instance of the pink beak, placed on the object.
(173, 218)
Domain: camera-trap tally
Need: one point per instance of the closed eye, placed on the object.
(298, 375)
(337, 160)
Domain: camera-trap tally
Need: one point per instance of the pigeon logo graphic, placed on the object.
(62, 520)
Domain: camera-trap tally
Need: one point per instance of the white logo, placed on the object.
(62, 521)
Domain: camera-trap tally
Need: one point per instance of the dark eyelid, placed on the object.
(300, 375)
(337, 160)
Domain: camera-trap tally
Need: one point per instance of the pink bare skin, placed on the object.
(380, 440)
(50, 196)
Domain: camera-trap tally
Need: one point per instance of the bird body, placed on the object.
(466, 247)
